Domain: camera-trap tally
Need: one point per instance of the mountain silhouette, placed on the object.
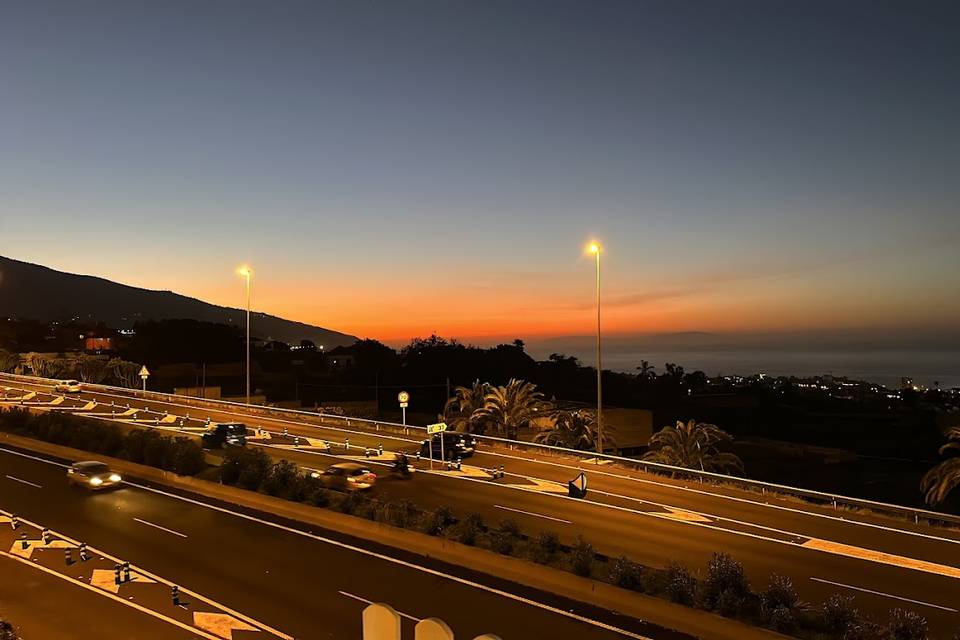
(31, 291)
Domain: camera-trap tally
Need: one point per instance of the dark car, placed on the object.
(91, 474)
(221, 434)
(347, 476)
(455, 445)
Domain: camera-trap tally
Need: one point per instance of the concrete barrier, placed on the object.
(382, 622)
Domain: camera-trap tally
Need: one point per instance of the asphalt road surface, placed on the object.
(306, 585)
(883, 562)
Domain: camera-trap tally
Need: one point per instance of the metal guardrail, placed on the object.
(834, 500)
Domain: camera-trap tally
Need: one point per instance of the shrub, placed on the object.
(402, 514)
(187, 457)
(437, 521)
(907, 625)
(544, 549)
(7, 632)
(505, 537)
(725, 581)
(781, 619)
(281, 479)
(468, 529)
(680, 584)
(838, 613)
(356, 503)
(625, 573)
(865, 630)
(779, 604)
(582, 557)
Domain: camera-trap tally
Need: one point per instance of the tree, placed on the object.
(945, 477)
(693, 445)
(92, 369)
(574, 430)
(646, 370)
(39, 364)
(463, 410)
(126, 373)
(8, 361)
(512, 407)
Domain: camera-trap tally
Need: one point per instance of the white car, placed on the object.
(67, 386)
(92, 474)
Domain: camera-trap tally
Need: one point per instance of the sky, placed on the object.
(395, 168)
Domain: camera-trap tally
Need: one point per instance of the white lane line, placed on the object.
(365, 601)
(32, 484)
(150, 524)
(360, 550)
(530, 513)
(885, 595)
(107, 594)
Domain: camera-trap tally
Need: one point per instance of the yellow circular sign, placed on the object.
(403, 396)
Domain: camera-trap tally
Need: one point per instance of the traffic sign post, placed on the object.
(404, 399)
(144, 374)
(433, 429)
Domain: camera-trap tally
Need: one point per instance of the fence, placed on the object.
(836, 501)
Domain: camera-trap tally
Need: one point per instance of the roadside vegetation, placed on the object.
(945, 477)
(694, 445)
(720, 587)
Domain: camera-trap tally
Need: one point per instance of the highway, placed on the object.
(885, 563)
(304, 584)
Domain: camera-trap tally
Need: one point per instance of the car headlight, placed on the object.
(96, 481)
(115, 477)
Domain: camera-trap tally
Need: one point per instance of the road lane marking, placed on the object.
(885, 595)
(530, 513)
(112, 596)
(150, 524)
(32, 484)
(365, 601)
(403, 563)
(881, 558)
(220, 623)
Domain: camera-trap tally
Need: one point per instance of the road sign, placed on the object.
(436, 428)
(403, 397)
(144, 372)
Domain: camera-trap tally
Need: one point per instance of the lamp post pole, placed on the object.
(247, 273)
(596, 249)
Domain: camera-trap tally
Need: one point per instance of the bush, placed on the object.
(7, 632)
(246, 468)
(838, 613)
(625, 573)
(865, 630)
(468, 529)
(505, 537)
(726, 585)
(437, 521)
(356, 503)
(680, 584)
(781, 619)
(779, 604)
(907, 625)
(188, 457)
(582, 557)
(402, 514)
(544, 549)
(282, 479)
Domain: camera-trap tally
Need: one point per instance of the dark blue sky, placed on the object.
(748, 165)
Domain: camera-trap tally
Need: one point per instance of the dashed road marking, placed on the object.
(365, 601)
(885, 595)
(156, 526)
(530, 513)
(22, 481)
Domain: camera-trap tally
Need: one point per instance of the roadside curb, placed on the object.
(657, 611)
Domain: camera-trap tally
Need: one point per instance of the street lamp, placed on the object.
(246, 272)
(596, 249)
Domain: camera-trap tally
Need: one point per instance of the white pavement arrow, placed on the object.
(220, 624)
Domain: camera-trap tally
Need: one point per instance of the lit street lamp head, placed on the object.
(594, 248)
(245, 271)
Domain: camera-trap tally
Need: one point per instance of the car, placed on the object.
(67, 386)
(346, 476)
(222, 434)
(455, 445)
(93, 475)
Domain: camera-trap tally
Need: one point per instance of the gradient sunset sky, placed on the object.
(394, 168)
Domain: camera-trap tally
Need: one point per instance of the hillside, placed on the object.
(37, 292)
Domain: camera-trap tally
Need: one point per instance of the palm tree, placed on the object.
(461, 411)
(646, 370)
(693, 445)
(512, 407)
(945, 477)
(575, 430)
